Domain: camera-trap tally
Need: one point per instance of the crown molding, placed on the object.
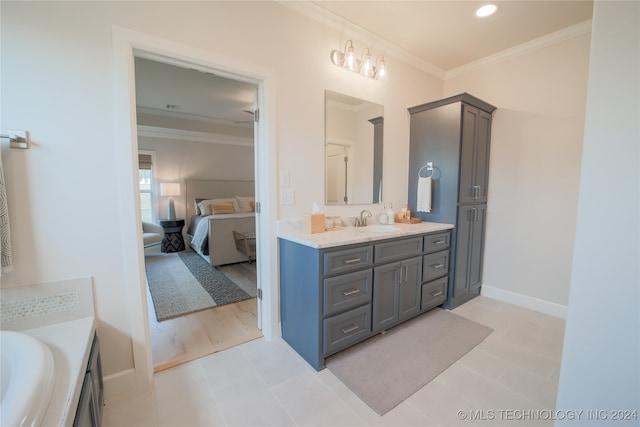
(197, 117)
(354, 31)
(188, 135)
(524, 48)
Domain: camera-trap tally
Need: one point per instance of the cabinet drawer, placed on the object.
(347, 291)
(347, 260)
(437, 242)
(397, 250)
(435, 265)
(345, 329)
(434, 293)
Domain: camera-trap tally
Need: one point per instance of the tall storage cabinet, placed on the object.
(455, 135)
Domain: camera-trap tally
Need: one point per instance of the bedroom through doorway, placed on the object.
(196, 129)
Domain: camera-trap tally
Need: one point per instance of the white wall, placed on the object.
(601, 355)
(536, 145)
(57, 83)
(178, 161)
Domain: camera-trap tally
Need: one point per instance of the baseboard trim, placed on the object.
(525, 301)
(120, 382)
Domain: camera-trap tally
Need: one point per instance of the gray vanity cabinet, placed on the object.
(333, 298)
(455, 135)
(397, 292)
(471, 222)
(89, 410)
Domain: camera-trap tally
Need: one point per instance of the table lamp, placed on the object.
(170, 189)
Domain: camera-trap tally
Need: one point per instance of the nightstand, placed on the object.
(173, 240)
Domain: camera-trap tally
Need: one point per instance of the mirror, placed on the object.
(353, 150)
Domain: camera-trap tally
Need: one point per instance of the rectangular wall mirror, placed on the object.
(353, 150)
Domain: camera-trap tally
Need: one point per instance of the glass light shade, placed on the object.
(367, 67)
(381, 72)
(350, 61)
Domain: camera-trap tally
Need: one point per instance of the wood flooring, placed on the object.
(182, 339)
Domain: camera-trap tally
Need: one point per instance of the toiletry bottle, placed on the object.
(383, 215)
(407, 213)
(390, 214)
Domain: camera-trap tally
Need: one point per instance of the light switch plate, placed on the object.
(287, 197)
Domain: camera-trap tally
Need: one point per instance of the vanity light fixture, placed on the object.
(486, 10)
(365, 66)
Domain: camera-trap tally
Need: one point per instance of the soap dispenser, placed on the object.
(390, 214)
(383, 215)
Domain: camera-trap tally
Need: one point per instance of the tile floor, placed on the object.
(511, 378)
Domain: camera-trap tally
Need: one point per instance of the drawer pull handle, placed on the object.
(351, 329)
(437, 266)
(350, 292)
(439, 242)
(351, 261)
(436, 294)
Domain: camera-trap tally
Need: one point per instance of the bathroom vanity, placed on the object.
(60, 315)
(341, 287)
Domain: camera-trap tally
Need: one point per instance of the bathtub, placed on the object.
(27, 379)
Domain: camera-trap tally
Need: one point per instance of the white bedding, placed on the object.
(219, 239)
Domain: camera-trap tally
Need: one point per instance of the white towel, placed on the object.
(6, 260)
(424, 194)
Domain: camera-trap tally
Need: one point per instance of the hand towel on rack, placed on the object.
(424, 194)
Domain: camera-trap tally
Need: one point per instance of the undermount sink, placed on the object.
(27, 379)
(379, 228)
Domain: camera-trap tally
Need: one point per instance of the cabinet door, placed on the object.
(385, 296)
(476, 248)
(470, 118)
(95, 369)
(409, 288)
(474, 155)
(86, 412)
(469, 249)
(483, 142)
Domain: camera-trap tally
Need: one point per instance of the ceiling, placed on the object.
(447, 34)
(439, 36)
(168, 90)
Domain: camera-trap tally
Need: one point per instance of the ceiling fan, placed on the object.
(246, 121)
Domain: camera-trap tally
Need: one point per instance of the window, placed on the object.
(145, 182)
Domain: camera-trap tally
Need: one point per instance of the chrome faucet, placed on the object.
(362, 221)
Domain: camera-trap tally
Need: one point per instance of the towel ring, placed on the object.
(428, 168)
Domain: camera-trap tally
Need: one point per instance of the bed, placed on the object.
(210, 233)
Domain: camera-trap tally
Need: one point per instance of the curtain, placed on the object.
(6, 261)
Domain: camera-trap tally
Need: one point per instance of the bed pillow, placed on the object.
(206, 206)
(223, 208)
(197, 203)
(244, 204)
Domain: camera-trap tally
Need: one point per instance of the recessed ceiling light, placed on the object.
(486, 10)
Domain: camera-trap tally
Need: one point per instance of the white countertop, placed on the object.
(70, 342)
(290, 230)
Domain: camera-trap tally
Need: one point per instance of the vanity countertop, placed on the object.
(350, 235)
(70, 342)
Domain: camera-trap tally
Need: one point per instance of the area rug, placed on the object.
(386, 369)
(183, 282)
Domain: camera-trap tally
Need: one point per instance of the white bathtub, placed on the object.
(27, 379)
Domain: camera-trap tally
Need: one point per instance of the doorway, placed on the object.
(126, 44)
(198, 126)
